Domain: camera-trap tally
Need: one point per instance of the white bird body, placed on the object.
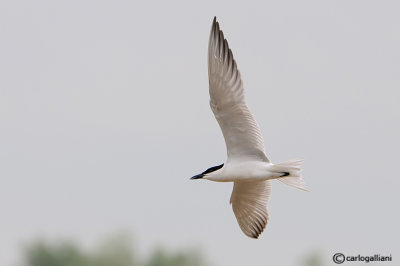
(247, 164)
(238, 170)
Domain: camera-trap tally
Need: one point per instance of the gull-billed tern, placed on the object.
(247, 165)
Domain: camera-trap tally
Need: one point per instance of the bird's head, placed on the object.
(209, 170)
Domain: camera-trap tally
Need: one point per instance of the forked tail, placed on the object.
(290, 173)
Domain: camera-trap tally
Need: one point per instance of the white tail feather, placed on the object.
(294, 178)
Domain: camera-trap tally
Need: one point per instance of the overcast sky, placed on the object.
(104, 117)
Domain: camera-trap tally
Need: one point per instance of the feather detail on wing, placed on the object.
(249, 203)
(240, 129)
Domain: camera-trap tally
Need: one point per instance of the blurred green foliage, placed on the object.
(116, 251)
(119, 251)
(162, 258)
(313, 259)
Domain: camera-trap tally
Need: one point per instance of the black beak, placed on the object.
(197, 176)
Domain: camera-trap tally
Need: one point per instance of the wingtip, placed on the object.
(254, 235)
(215, 25)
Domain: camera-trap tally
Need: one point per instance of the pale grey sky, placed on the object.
(104, 116)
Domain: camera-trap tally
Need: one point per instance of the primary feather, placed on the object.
(249, 201)
(241, 132)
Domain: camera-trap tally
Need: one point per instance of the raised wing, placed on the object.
(249, 203)
(241, 132)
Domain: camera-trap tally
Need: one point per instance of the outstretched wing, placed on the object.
(241, 132)
(249, 203)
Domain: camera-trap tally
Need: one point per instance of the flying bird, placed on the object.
(247, 165)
